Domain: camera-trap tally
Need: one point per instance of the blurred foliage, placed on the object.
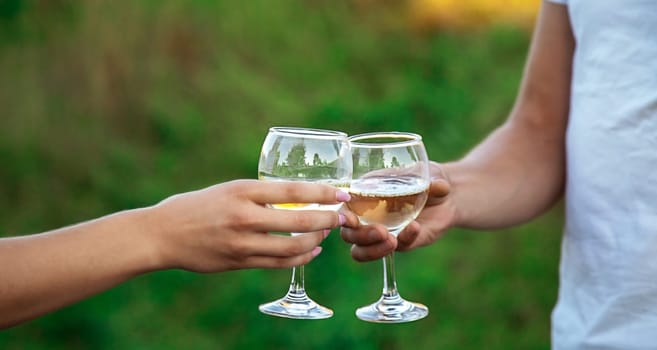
(113, 105)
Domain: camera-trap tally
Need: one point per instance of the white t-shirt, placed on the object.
(608, 273)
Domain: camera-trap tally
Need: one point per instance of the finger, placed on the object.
(438, 190)
(374, 251)
(278, 245)
(439, 187)
(294, 192)
(268, 219)
(408, 236)
(365, 235)
(276, 262)
(351, 219)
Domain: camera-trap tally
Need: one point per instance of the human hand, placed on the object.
(225, 227)
(370, 242)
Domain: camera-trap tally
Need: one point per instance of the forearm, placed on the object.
(513, 176)
(43, 272)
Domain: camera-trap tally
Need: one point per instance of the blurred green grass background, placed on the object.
(106, 106)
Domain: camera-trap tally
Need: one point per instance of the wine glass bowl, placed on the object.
(393, 203)
(309, 155)
(390, 186)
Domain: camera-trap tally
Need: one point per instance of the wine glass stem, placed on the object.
(297, 288)
(390, 293)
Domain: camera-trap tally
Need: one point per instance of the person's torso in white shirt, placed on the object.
(608, 272)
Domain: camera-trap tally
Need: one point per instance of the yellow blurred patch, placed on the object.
(291, 206)
(468, 14)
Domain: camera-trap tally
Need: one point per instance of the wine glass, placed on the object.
(310, 155)
(390, 186)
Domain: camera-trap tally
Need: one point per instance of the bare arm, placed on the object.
(517, 172)
(223, 227)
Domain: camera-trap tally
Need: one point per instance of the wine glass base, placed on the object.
(298, 307)
(398, 311)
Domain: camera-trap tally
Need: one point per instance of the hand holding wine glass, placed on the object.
(224, 227)
(390, 186)
(370, 242)
(218, 228)
(308, 155)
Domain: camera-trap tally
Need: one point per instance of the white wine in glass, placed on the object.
(390, 186)
(309, 155)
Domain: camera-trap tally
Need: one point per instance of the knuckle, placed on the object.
(295, 247)
(236, 248)
(292, 190)
(345, 234)
(242, 219)
(235, 185)
(328, 193)
(232, 264)
(304, 221)
(280, 263)
(373, 235)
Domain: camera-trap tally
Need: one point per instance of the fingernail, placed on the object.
(342, 219)
(316, 251)
(342, 196)
(326, 232)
